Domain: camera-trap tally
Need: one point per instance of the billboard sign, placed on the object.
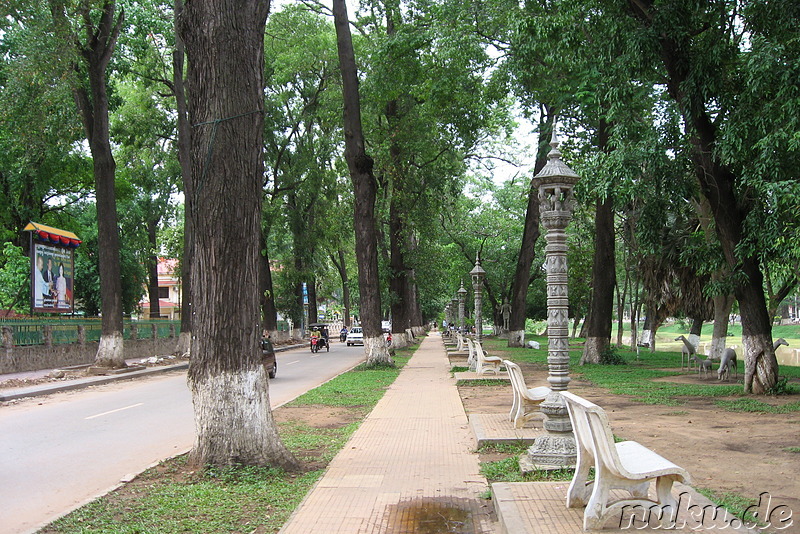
(53, 275)
(52, 269)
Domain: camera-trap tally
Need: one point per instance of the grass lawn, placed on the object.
(637, 377)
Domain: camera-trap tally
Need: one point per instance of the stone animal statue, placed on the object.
(727, 361)
(687, 350)
(702, 365)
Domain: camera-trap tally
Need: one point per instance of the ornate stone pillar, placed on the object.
(556, 203)
(478, 274)
(462, 296)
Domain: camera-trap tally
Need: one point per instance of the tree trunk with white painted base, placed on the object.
(224, 47)
(360, 165)
(722, 311)
(110, 351)
(376, 350)
(234, 423)
(183, 349)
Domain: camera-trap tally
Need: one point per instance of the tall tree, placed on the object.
(225, 46)
(101, 28)
(303, 140)
(360, 165)
(184, 142)
(598, 331)
(527, 252)
(696, 47)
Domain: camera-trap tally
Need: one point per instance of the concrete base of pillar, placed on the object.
(550, 451)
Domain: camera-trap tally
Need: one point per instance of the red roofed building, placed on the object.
(169, 291)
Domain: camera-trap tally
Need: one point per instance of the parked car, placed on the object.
(268, 358)
(355, 336)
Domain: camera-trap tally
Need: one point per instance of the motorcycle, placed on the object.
(343, 335)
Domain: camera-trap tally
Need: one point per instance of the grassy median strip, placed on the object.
(171, 498)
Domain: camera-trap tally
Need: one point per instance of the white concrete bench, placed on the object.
(526, 400)
(460, 342)
(485, 363)
(472, 359)
(627, 465)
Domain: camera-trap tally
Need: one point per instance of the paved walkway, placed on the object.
(410, 467)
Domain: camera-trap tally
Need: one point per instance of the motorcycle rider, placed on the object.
(343, 334)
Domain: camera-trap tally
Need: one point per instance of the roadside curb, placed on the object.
(80, 383)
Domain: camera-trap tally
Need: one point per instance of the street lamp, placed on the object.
(555, 183)
(478, 274)
(462, 295)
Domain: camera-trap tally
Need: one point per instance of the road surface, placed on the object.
(64, 450)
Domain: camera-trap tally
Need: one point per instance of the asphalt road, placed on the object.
(64, 450)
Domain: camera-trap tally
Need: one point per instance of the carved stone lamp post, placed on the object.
(478, 274)
(462, 296)
(555, 183)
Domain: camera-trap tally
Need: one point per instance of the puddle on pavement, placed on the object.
(430, 516)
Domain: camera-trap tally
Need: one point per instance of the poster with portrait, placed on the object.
(52, 276)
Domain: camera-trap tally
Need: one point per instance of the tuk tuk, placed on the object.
(319, 337)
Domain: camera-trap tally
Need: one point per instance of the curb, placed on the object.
(80, 383)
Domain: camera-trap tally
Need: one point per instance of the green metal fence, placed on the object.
(31, 331)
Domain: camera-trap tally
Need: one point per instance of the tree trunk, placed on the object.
(93, 108)
(339, 262)
(652, 322)
(268, 311)
(398, 273)
(311, 288)
(364, 188)
(298, 310)
(230, 392)
(152, 267)
(695, 332)
(414, 311)
(530, 233)
(621, 298)
(598, 333)
(636, 307)
(760, 363)
(184, 345)
(722, 303)
(722, 312)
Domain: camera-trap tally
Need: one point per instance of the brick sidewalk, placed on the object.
(410, 467)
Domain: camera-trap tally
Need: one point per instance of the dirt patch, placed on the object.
(742, 452)
(62, 376)
(317, 416)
